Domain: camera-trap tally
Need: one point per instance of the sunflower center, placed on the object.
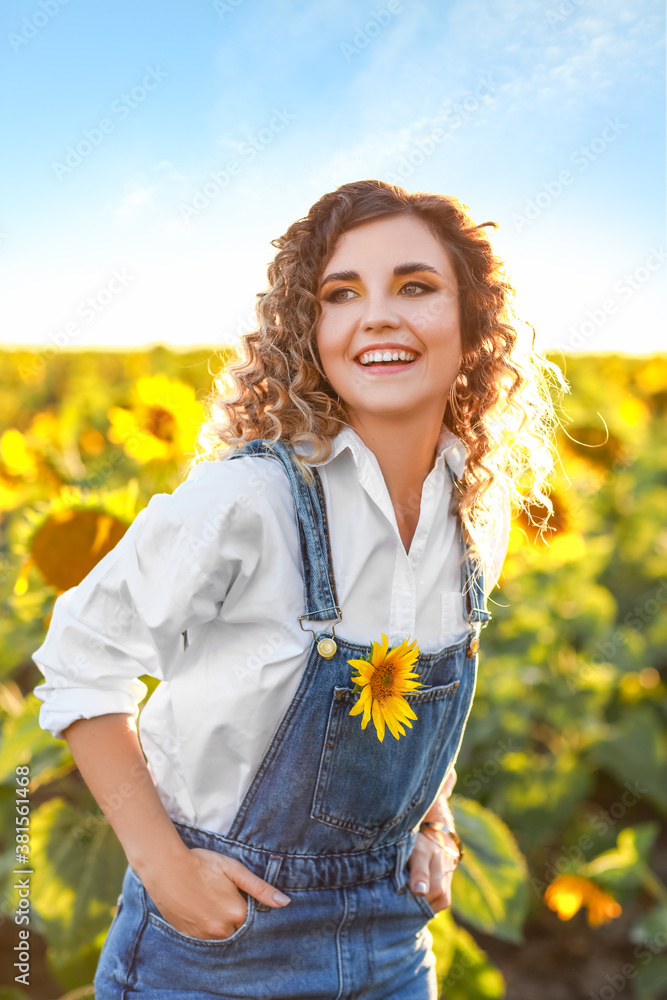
(160, 423)
(382, 682)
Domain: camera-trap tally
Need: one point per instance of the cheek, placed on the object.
(325, 347)
(322, 340)
(329, 341)
(437, 319)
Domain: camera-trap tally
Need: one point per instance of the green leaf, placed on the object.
(651, 928)
(535, 792)
(636, 750)
(24, 742)
(80, 993)
(79, 866)
(626, 865)
(490, 886)
(651, 981)
(470, 975)
(443, 930)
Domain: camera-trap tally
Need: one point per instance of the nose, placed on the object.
(379, 312)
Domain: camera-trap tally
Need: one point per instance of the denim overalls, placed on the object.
(330, 818)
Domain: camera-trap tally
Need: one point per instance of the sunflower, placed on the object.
(16, 455)
(24, 470)
(65, 537)
(162, 423)
(383, 679)
(568, 893)
(652, 377)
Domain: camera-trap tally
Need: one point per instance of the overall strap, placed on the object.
(312, 527)
(473, 575)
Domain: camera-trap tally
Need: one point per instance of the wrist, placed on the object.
(440, 813)
(146, 862)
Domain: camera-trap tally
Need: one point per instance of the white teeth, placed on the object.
(377, 357)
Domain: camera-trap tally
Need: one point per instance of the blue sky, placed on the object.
(547, 117)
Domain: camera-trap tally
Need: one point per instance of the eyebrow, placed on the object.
(409, 267)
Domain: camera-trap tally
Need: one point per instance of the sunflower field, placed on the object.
(561, 795)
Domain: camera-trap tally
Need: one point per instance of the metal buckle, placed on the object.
(326, 646)
(320, 611)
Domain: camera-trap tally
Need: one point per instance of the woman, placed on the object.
(312, 604)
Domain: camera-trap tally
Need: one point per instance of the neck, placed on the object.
(405, 450)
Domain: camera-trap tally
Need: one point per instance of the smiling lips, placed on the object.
(387, 357)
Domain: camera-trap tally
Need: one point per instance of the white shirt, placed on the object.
(218, 559)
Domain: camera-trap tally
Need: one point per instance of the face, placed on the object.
(388, 336)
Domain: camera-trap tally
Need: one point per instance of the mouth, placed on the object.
(387, 358)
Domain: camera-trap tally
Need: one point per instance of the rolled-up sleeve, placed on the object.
(127, 617)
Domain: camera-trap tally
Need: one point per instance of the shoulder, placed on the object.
(221, 511)
(246, 487)
(246, 475)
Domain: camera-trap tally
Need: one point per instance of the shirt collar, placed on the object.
(449, 449)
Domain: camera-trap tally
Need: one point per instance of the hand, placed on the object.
(198, 892)
(431, 869)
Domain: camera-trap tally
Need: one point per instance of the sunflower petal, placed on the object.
(378, 721)
(408, 711)
(394, 726)
(359, 664)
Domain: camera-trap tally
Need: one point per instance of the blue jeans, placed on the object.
(364, 940)
(330, 817)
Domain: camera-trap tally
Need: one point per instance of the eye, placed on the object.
(419, 285)
(336, 296)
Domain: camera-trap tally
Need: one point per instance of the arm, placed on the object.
(426, 863)
(440, 810)
(109, 757)
(170, 571)
(195, 890)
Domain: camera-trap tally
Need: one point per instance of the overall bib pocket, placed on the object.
(368, 786)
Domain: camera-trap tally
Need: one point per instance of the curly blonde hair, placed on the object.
(501, 403)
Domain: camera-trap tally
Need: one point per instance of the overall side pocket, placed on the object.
(158, 922)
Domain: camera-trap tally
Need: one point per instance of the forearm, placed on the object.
(107, 752)
(440, 811)
(195, 889)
